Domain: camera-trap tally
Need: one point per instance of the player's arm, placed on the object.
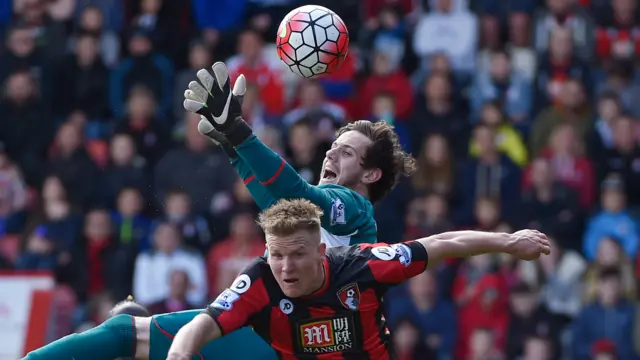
(230, 311)
(273, 172)
(393, 264)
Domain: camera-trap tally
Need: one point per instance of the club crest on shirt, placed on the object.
(349, 296)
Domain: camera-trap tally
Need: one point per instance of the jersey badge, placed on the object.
(286, 306)
(338, 216)
(349, 296)
(241, 284)
(404, 254)
(225, 300)
(321, 336)
(385, 253)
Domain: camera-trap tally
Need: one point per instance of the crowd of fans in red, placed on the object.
(520, 113)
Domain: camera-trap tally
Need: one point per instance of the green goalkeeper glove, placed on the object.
(212, 98)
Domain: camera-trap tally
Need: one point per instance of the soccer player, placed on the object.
(307, 300)
(304, 299)
(364, 163)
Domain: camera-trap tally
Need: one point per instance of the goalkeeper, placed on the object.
(363, 165)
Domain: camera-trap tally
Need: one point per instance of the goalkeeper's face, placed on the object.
(342, 164)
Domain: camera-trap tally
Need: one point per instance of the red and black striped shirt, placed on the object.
(343, 321)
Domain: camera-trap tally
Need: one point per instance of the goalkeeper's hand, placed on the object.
(212, 98)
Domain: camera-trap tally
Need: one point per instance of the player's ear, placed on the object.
(323, 249)
(371, 176)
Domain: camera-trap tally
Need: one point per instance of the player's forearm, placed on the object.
(192, 337)
(271, 169)
(260, 194)
(457, 244)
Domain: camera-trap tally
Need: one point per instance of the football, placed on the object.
(312, 40)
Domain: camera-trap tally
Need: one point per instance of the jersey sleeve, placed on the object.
(246, 297)
(393, 264)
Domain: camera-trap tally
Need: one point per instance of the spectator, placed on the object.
(487, 214)
(573, 110)
(618, 329)
(407, 341)
(482, 345)
(438, 113)
(612, 27)
(13, 195)
(481, 296)
(491, 174)
(204, 173)
(600, 137)
(144, 66)
(509, 140)
(538, 348)
(199, 58)
(131, 226)
(435, 167)
(613, 220)
(230, 256)
(195, 229)
(427, 216)
(559, 64)
(306, 151)
(125, 169)
(389, 79)
(503, 85)
(610, 255)
(315, 107)
(177, 300)
(528, 319)
(24, 129)
(567, 15)
(73, 165)
(386, 33)
(458, 38)
(622, 79)
(152, 269)
(570, 167)
(622, 158)
(143, 125)
(21, 54)
(49, 33)
(92, 23)
(39, 253)
(434, 316)
(551, 205)
(256, 67)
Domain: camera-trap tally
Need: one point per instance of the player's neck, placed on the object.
(320, 279)
(362, 190)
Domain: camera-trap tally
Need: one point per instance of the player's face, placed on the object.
(343, 163)
(296, 262)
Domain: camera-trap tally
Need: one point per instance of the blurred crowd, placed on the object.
(521, 113)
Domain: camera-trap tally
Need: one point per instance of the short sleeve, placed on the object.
(393, 264)
(246, 297)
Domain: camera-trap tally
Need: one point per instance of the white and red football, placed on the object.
(312, 40)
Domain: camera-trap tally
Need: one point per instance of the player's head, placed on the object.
(296, 254)
(366, 157)
(129, 307)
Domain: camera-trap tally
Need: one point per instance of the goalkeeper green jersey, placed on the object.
(348, 216)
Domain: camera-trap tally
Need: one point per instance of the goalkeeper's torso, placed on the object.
(349, 220)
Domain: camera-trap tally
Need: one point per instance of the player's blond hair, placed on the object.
(289, 216)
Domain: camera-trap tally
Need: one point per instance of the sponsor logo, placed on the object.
(385, 253)
(350, 296)
(225, 300)
(404, 254)
(286, 306)
(337, 212)
(327, 336)
(241, 284)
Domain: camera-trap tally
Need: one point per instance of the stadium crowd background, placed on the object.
(521, 114)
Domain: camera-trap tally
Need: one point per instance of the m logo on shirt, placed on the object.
(337, 212)
(326, 336)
